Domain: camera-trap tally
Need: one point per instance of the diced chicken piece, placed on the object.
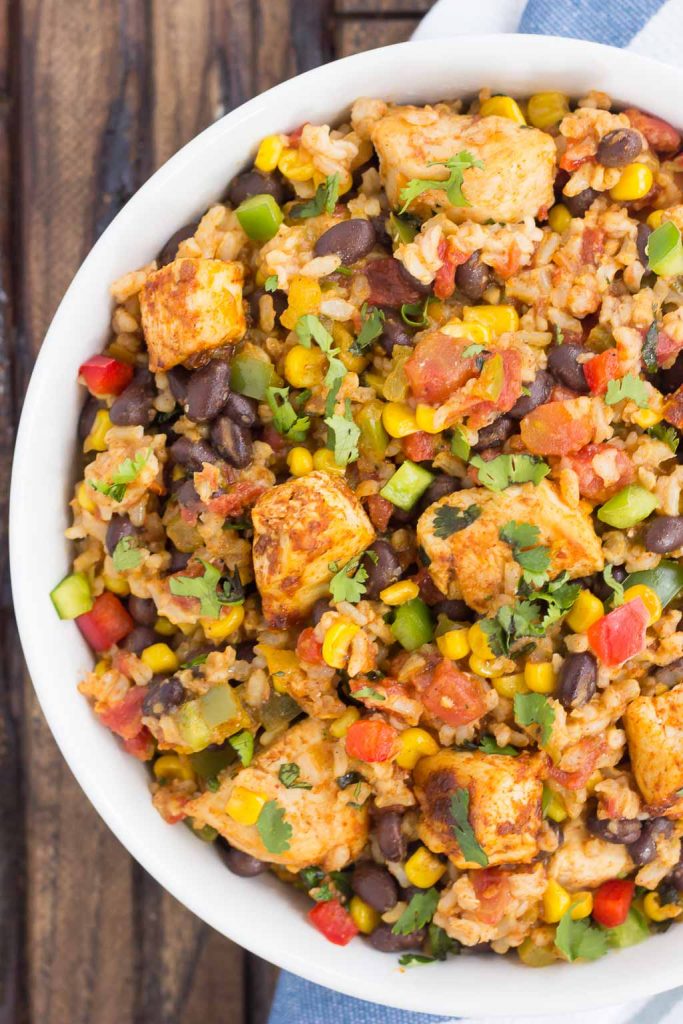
(326, 828)
(191, 306)
(473, 562)
(301, 528)
(654, 727)
(504, 803)
(585, 862)
(131, 466)
(515, 182)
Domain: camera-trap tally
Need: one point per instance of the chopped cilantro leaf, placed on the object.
(309, 327)
(274, 831)
(533, 558)
(627, 387)
(288, 775)
(243, 745)
(535, 709)
(419, 911)
(463, 831)
(448, 521)
(372, 325)
(324, 200)
(489, 746)
(127, 473)
(344, 435)
(669, 435)
(348, 583)
(440, 942)
(285, 419)
(270, 284)
(649, 351)
(452, 185)
(499, 473)
(580, 940)
(126, 555)
(413, 959)
(204, 588)
(368, 693)
(415, 313)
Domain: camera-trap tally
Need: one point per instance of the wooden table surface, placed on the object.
(94, 96)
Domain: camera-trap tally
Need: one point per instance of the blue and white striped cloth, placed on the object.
(650, 27)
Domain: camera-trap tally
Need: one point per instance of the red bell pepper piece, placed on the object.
(612, 902)
(103, 375)
(371, 740)
(106, 623)
(601, 369)
(420, 446)
(620, 634)
(333, 921)
(455, 697)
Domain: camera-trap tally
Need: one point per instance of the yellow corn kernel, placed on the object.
(230, 620)
(423, 869)
(117, 585)
(363, 915)
(475, 332)
(539, 676)
(398, 419)
(160, 658)
(244, 806)
(95, 441)
(556, 902)
(488, 669)
(655, 219)
(647, 417)
(269, 152)
(84, 497)
(498, 319)
(341, 725)
(300, 461)
(337, 641)
(305, 296)
(582, 905)
(479, 642)
(546, 109)
(399, 593)
(508, 686)
(280, 663)
(173, 766)
(502, 106)
(424, 419)
(650, 599)
(635, 182)
(454, 644)
(323, 459)
(555, 808)
(559, 218)
(164, 627)
(413, 744)
(344, 340)
(295, 164)
(656, 912)
(101, 667)
(304, 367)
(587, 609)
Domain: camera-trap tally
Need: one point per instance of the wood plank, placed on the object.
(357, 34)
(382, 8)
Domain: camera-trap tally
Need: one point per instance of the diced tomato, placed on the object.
(509, 264)
(333, 921)
(601, 369)
(429, 592)
(371, 740)
(492, 889)
(591, 485)
(309, 648)
(444, 282)
(511, 390)
(437, 367)
(453, 696)
(275, 440)
(557, 428)
(662, 136)
(420, 446)
(570, 162)
(592, 244)
(141, 746)
(673, 409)
(612, 902)
(620, 634)
(667, 348)
(240, 496)
(578, 763)
(125, 717)
(294, 138)
(379, 510)
(390, 284)
(106, 623)
(103, 375)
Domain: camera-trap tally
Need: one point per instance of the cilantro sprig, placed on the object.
(504, 470)
(488, 745)
(288, 774)
(372, 325)
(533, 557)
(243, 745)
(324, 200)
(628, 386)
(580, 940)
(452, 185)
(535, 709)
(667, 434)
(419, 911)
(343, 435)
(204, 588)
(462, 829)
(274, 830)
(286, 420)
(448, 520)
(530, 617)
(127, 473)
(126, 555)
(348, 583)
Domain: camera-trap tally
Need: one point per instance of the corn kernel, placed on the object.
(95, 441)
(304, 367)
(488, 669)
(399, 593)
(479, 642)
(656, 912)
(363, 915)
(556, 902)
(160, 658)
(300, 461)
(473, 331)
(655, 219)
(173, 766)
(230, 620)
(546, 109)
(398, 419)
(344, 340)
(84, 497)
(586, 610)
(269, 152)
(305, 296)
(323, 459)
(454, 644)
(539, 676)
(116, 584)
(339, 728)
(413, 744)
(498, 319)
(295, 164)
(582, 905)
(502, 106)
(508, 686)
(280, 663)
(423, 869)
(647, 417)
(244, 806)
(650, 599)
(424, 419)
(635, 183)
(554, 807)
(337, 640)
(164, 627)
(101, 667)
(559, 218)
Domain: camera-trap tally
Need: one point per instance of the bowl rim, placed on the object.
(622, 977)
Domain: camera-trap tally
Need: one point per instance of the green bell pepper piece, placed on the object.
(207, 764)
(402, 229)
(260, 217)
(373, 437)
(413, 625)
(72, 597)
(460, 446)
(665, 250)
(629, 506)
(633, 930)
(220, 705)
(407, 485)
(666, 580)
(193, 730)
(252, 377)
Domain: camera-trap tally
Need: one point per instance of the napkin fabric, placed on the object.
(650, 27)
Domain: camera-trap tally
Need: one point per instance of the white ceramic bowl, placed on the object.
(261, 914)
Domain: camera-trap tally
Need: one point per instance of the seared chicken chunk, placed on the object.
(504, 803)
(654, 727)
(515, 182)
(584, 862)
(472, 562)
(191, 306)
(325, 828)
(301, 528)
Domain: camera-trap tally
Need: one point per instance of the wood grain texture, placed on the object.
(357, 34)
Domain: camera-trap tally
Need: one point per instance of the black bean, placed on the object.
(614, 830)
(385, 941)
(473, 277)
(279, 303)
(139, 638)
(675, 878)
(382, 235)
(179, 559)
(602, 589)
(207, 391)
(143, 610)
(496, 434)
(390, 839)
(244, 651)
(351, 240)
(619, 147)
(642, 236)
(186, 495)
(162, 696)
(241, 409)
(563, 364)
(577, 205)
(671, 674)
(394, 332)
(578, 680)
(671, 379)
(242, 864)
(256, 183)
(177, 378)
(539, 392)
(119, 527)
(232, 440)
(321, 606)
(375, 885)
(192, 454)
(133, 407)
(170, 249)
(405, 517)
(382, 572)
(644, 849)
(440, 486)
(87, 416)
(418, 286)
(454, 609)
(663, 534)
